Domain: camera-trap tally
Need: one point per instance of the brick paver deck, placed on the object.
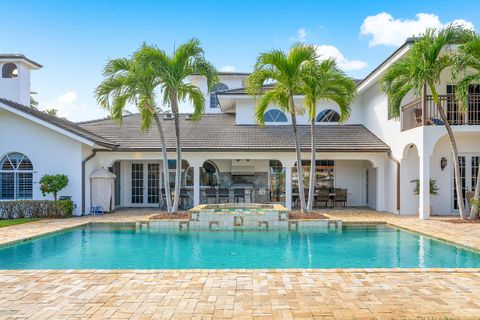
(243, 294)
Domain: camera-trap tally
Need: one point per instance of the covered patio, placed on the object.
(341, 179)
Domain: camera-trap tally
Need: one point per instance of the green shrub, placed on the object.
(475, 202)
(66, 206)
(36, 209)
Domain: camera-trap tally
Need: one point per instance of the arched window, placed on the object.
(275, 115)
(208, 175)
(9, 70)
(328, 115)
(213, 97)
(16, 177)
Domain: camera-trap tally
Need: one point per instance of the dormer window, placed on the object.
(213, 97)
(275, 116)
(328, 115)
(9, 70)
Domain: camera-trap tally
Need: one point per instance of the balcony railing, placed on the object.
(424, 112)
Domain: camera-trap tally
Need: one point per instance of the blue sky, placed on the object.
(74, 39)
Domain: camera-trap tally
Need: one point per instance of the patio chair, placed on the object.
(341, 197)
(184, 199)
(417, 115)
(239, 193)
(211, 193)
(323, 197)
(223, 195)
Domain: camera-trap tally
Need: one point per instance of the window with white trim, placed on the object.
(16, 177)
(213, 94)
(274, 116)
(328, 115)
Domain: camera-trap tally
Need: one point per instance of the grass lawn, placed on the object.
(11, 222)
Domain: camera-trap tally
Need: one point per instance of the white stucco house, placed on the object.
(371, 156)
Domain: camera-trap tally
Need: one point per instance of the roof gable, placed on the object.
(63, 126)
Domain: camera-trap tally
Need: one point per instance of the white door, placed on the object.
(145, 184)
(468, 175)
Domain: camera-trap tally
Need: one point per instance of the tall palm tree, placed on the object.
(324, 81)
(128, 81)
(421, 68)
(171, 73)
(467, 68)
(286, 70)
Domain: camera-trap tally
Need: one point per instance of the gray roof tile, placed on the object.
(219, 132)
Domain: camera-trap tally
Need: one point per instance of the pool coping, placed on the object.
(262, 270)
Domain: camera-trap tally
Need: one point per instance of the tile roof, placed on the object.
(61, 123)
(21, 57)
(241, 91)
(218, 132)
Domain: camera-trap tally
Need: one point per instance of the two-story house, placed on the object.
(228, 158)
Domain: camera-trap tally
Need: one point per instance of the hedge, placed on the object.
(35, 209)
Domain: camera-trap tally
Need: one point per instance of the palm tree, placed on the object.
(324, 81)
(286, 70)
(467, 66)
(128, 81)
(421, 68)
(51, 111)
(171, 74)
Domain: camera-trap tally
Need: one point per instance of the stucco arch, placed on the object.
(409, 170)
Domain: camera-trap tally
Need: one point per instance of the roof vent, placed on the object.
(188, 117)
(168, 116)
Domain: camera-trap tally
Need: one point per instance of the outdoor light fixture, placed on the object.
(443, 163)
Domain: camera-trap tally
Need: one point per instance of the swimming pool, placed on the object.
(107, 246)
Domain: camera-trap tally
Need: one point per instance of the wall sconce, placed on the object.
(443, 163)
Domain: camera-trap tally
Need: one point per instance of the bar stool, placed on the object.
(239, 194)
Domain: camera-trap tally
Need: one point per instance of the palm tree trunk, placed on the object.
(166, 174)
(301, 191)
(453, 143)
(178, 169)
(313, 168)
(474, 208)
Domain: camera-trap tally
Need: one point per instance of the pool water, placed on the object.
(114, 247)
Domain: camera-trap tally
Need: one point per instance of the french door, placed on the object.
(145, 184)
(468, 176)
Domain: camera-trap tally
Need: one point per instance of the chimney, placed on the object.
(15, 77)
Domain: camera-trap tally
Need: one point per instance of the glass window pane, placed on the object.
(24, 185)
(7, 185)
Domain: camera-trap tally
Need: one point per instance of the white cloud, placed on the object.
(384, 29)
(68, 107)
(327, 51)
(227, 68)
(301, 35)
(69, 97)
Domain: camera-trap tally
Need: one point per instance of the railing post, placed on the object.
(424, 105)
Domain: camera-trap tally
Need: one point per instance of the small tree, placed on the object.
(53, 183)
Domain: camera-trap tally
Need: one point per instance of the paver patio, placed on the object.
(243, 294)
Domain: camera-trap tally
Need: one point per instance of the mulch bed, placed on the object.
(297, 215)
(171, 216)
(460, 221)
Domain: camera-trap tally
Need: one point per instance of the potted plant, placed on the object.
(433, 188)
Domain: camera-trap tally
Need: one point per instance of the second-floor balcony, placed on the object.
(424, 112)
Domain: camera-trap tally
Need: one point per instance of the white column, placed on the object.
(424, 190)
(288, 187)
(196, 185)
(380, 186)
